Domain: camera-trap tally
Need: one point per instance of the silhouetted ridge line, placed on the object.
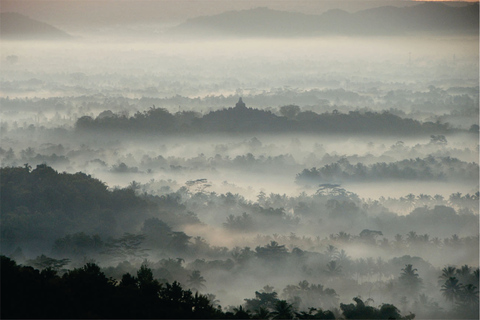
(243, 119)
(431, 18)
(14, 26)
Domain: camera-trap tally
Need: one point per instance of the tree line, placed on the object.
(160, 120)
(427, 169)
(87, 293)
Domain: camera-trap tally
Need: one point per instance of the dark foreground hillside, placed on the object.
(86, 293)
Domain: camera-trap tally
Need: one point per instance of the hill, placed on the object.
(243, 119)
(429, 18)
(14, 26)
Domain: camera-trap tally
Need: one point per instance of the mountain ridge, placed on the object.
(15, 26)
(435, 18)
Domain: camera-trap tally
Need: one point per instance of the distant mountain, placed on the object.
(14, 26)
(430, 18)
(259, 21)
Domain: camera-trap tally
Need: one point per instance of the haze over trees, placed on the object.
(16, 26)
(430, 18)
(276, 160)
(243, 119)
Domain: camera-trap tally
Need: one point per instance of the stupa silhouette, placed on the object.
(240, 104)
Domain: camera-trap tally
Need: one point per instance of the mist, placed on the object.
(277, 169)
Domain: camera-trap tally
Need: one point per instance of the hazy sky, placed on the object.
(73, 13)
(84, 14)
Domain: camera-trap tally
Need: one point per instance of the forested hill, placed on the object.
(242, 119)
(430, 18)
(14, 26)
(43, 204)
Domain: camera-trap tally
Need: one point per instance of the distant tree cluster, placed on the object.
(243, 119)
(427, 169)
(42, 206)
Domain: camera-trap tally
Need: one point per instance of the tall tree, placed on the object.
(282, 310)
(409, 280)
(451, 289)
(196, 281)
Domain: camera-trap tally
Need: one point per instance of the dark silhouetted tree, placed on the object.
(196, 281)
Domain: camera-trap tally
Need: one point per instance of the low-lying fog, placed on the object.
(243, 164)
(199, 68)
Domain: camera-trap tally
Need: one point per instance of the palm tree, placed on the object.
(343, 236)
(331, 251)
(469, 295)
(463, 273)
(412, 237)
(195, 280)
(271, 251)
(447, 273)
(333, 268)
(424, 239)
(283, 310)
(409, 272)
(399, 242)
(399, 238)
(410, 280)
(451, 289)
(262, 313)
(410, 200)
(342, 256)
(213, 300)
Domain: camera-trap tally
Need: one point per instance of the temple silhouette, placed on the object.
(240, 104)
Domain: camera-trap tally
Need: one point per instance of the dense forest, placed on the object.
(87, 293)
(74, 217)
(243, 119)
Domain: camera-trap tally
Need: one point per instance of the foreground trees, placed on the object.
(362, 311)
(87, 293)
